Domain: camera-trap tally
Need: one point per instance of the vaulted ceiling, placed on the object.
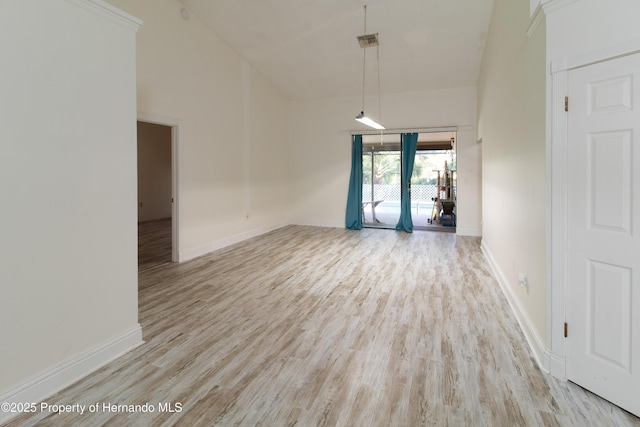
(309, 48)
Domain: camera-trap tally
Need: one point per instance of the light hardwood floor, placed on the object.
(154, 243)
(315, 326)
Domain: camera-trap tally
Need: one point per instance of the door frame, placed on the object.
(400, 151)
(399, 131)
(176, 136)
(557, 191)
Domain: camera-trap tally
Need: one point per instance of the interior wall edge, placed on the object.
(61, 375)
(469, 231)
(215, 245)
(534, 340)
(101, 8)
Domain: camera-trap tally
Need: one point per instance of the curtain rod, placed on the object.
(401, 130)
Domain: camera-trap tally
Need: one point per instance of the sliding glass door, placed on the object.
(381, 182)
(433, 186)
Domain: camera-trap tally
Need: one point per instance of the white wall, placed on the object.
(533, 5)
(588, 25)
(320, 150)
(232, 160)
(154, 171)
(67, 177)
(511, 116)
(511, 123)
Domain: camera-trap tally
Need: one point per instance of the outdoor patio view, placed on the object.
(433, 186)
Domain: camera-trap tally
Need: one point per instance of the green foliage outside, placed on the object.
(427, 163)
(386, 167)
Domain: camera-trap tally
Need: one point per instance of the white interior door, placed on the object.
(603, 300)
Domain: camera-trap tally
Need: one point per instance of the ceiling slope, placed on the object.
(309, 48)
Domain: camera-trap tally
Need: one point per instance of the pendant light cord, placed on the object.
(379, 103)
(364, 57)
(379, 94)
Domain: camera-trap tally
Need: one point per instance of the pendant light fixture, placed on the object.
(369, 40)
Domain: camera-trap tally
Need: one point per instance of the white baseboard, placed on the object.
(460, 231)
(469, 231)
(318, 223)
(555, 365)
(535, 342)
(190, 254)
(66, 373)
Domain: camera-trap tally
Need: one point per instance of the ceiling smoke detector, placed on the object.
(368, 40)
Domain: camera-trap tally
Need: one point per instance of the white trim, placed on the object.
(557, 213)
(552, 5)
(158, 120)
(408, 130)
(555, 365)
(469, 231)
(190, 254)
(318, 223)
(534, 5)
(536, 19)
(630, 47)
(246, 138)
(58, 377)
(101, 8)
(176, 210)
(460, 231)
(176, 150)
(544, 8)
(557, 220)
(533, 339)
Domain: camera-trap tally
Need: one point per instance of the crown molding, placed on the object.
(101, 8)
(552, 5)
(535, 21)
(545, 8)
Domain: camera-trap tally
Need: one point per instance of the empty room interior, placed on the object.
(342, 212)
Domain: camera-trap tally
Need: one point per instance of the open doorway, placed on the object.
(433, 182)
(157, 188)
